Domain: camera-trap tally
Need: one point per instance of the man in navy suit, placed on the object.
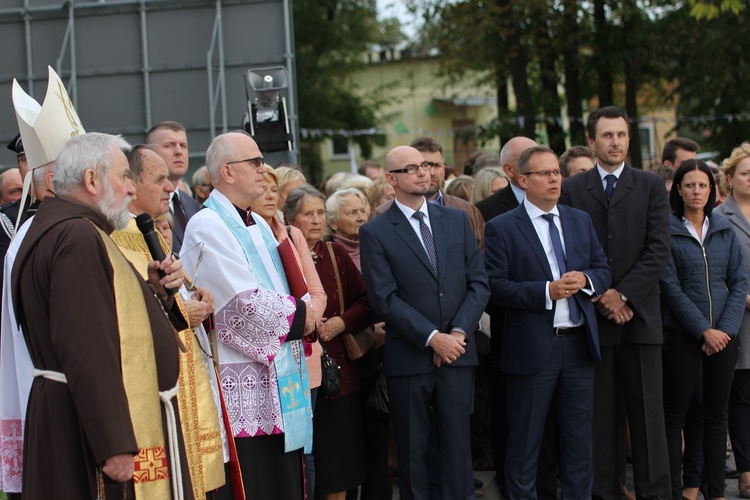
(545, 264)
(425, 278)
(169, 140)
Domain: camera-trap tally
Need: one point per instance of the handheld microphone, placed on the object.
(146, 225)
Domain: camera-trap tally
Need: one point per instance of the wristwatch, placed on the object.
(623, 297)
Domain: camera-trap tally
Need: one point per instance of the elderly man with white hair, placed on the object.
(101, 415)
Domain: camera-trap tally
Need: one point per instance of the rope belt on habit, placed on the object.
(50, 375)
(172, 429)
(174, 444)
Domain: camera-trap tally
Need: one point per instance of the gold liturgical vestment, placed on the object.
(198, 413)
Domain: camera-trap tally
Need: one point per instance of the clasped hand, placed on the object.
(568, 285)
(714, 341)
(199, 306)
(611, 306)
(447, 347)
(330, 327)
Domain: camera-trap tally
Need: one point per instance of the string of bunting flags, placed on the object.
(400, 127)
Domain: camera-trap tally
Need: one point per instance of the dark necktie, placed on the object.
(429, 243)
(611, 179)
(575, 313)
(179, 213)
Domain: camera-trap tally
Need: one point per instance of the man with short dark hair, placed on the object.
(169, 140)
(370, 169)
(631, 218)
(678, 150)
(550, 341)
(576, 160)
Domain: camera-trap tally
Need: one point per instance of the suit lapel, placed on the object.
(569, 234)
(529, 232)
(623, 187)
(595, 186)
(404, 230)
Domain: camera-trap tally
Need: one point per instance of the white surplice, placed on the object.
(251, 322)
(15, 378)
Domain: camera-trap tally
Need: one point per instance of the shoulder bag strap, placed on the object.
(338, 277)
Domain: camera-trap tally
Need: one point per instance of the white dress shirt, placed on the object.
(541, 226)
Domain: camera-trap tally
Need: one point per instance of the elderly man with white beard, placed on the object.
(101, 413)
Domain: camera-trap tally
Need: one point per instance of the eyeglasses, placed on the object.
(257, 162)
(545, 173)
(413, 169)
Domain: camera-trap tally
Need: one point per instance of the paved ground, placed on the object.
(491, 491)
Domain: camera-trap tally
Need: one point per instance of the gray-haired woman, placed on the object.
(338, 440)
(345, 213)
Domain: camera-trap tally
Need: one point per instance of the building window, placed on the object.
(646, 131)
(339, 148)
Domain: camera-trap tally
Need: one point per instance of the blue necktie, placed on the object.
(429, 243)
(611, 179)
(575, 313)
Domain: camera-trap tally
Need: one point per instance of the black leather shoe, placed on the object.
(478, 484)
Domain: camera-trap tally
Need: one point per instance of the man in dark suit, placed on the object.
(425, 278)
(497, 204)
(432, 151)
(631, 219)
(544, 263)
(507, 199)
(169, 140)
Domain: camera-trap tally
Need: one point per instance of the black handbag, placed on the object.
(377, 400)
(330, 384)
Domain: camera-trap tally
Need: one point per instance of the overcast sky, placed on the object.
(396, 8)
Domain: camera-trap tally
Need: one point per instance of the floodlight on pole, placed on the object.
(267, 119)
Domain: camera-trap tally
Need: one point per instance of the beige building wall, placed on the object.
(421, 104)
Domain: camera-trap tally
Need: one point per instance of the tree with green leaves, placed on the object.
(708, 60)
(331, 37)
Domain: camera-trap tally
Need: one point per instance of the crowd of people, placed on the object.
(256, 337)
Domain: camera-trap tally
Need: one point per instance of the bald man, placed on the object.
(507, 199)
(425, 277)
